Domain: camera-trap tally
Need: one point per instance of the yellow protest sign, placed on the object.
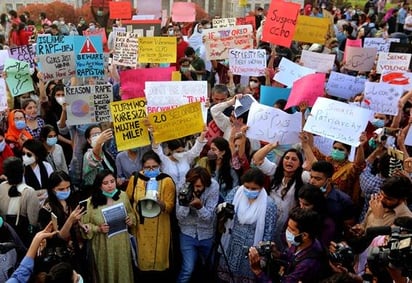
(157, 49)
(311, 29)
(242, 3)
(176, 123)
(176, 76)
(129, 130)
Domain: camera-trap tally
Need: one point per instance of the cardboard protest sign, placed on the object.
(56, 57)
(381, 44)
(120, 9)
(280, 23)
(3, 95)
(129, 129)
(88, 104)
(273, 125)
(337, 120)
(223, 23)
(393, 62)
(344, 86)
(320, 62)
(18, 78)
(219, 41)
(382, 97)
(133, 88)
(157, 49)
(184, 12)
(403, 79)
(125, 49)
(307, 89)
(248, 62)
(249, 20)
(289, 72)
(4, 54)
(89, 56)
(311, 29)
(270, 94)
(24, 53)
(176, 123)
(360, 59)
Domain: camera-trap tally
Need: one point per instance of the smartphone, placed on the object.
(54, 221)
(83, 204)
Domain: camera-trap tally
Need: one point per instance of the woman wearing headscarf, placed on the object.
(16, 133)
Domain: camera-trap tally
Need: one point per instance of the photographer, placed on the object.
(305, 259)
(195, 212)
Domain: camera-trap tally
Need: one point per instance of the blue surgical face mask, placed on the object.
(51, 141)
(1, 221)
(109, 195)
(20, 124)
(290, 238)
(152, 173)
(250, 194)
(2, 145)
(378, 123)
(63, 195)
(338, 155)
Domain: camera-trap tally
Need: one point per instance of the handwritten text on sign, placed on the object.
(89, 56)
(337, 120)
(344, 86)
(157, 49)
(219, 41)
(289, 72)
(18, 77)
(125, 49)
(249, 62)
(180, 122)
(382, 97)
(360, 59)
(129, 129)
(381, 44)
(390, 62)
(273, 125)
(320, 62)
(224, 22)
(23, 53)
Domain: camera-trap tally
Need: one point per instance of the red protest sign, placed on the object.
(120, 10)
(249, 20)
(280, 23)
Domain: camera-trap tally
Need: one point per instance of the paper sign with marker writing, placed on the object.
(273, 125)
(3, 95)
(382, 97)
(280, 23)
(337, 120)
(307, 89)
(129, 129)
(89, 56)
(183, 12)
(381, 44)
(24, 53)
(270, 94)
(344, 86)
(88, 104)
(351, 43)
(360, 59)
(157, 49)
(392, 62)
(176, 123)
(249, 20)
(403, 79)
(248, 62)
(324, 145)
(311, 29)
(220, 40)
(120, 10)
(18, 77)
(223, 23)
(289, 72)
(125, 49)
(4, 54)
(320, 62)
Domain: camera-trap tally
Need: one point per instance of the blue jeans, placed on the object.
(190, 249)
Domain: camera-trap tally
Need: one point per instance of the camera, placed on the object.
(343, 255)
(186, 194)
(226, 211)
(264, 249)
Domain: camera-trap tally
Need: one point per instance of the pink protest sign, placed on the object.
(351, 43)
(183, 12)
(307, 89)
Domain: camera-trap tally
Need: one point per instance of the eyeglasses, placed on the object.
(150, 168)
(112, 181)
(28, 154)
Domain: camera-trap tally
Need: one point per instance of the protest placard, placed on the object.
(132, 88)
(3, 95)
(325, 145)
(4, 54)
(311, 29)
(248, 20)
(270, 94)
(289, 72)
(184, 12)
(220, 40)
(337, 120)
(306, 89)
(360, 59)
(120, 9)
(381, 44)
(89, 56)
(223, 22)
(125, 49)
(382, 97)
(18, 78)
(129, 128)
(280, 23)
(99, 32)
(408, 138)
(176, 76)
(248, 62)
(344, 86)
(88, 103)
(398, 78)
(56, 56)
(157, 49)
(270, 124)
(24, 53)
(176, 123)
(320, 62)
(152, 7)
(352, 43)
(393, 62)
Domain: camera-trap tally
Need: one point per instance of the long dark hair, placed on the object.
(224, 171)
(296, 178)
(97, 197)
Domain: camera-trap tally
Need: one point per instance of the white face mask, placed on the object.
(28, 160)
(93, 140)
(178, 155)
(253, 84)
(61, 100)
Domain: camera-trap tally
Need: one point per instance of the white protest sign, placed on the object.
(390, 62)
(403, 79)
(325, 146)
(360, 59)
(382, 97)
(273, 125)
(248, 62)
(289, 72)
(224, 22)
(3, 95)
(125, 49)
(408, 138)
(337, 120)
(344, 86)
(320, 62)
(4, 54)
(381, 44)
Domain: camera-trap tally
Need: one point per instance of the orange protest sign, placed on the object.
(280, 23)
(120, 10)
